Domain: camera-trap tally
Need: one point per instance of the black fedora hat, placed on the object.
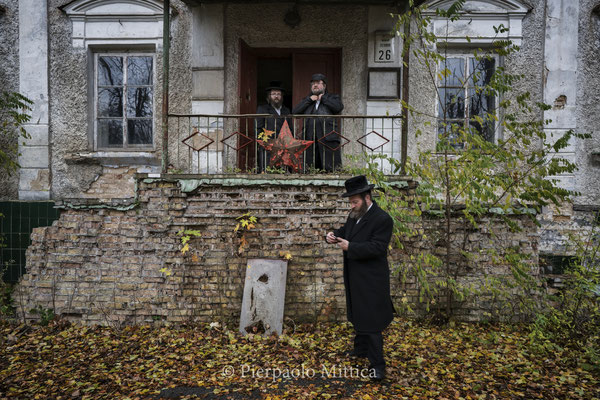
(274, 85)
(356, 185)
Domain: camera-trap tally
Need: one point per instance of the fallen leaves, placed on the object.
(64, 361)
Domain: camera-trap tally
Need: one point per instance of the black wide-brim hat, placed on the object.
(356, 185)
(274, 85)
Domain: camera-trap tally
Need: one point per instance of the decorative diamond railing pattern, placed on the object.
(242, 140)
(196, 140)
(363, 140)
(343, 141)
(222, 143)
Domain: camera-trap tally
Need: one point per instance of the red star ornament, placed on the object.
(286, 150)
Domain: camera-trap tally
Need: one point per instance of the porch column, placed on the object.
(560, 60)
(34, 175)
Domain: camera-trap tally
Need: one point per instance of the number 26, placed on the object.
(384, 55)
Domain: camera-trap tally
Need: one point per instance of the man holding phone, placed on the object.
(364, 239)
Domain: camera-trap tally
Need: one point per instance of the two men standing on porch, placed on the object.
(324, 154)
(276, 110)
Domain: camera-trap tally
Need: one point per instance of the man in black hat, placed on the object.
(276, 109)
(327, 155)
(365, 239)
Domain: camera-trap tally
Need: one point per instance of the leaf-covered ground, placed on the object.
(64, 361)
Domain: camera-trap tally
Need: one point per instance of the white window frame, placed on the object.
(440, 118)
(125, 147)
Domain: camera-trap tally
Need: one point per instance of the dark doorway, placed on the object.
(274, 69)
(293, 67)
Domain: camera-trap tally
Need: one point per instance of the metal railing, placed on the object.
(211, 144)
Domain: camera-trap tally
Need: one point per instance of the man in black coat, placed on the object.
(319, 102)
(365, 239)
(276, 110)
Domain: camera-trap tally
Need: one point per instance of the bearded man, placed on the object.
(364, 240)
(323, 155)
(273, 123)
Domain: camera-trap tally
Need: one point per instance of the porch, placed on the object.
(232, 143)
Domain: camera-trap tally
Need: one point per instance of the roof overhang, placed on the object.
(389, 3)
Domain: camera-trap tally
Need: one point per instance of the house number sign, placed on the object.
(385, 48)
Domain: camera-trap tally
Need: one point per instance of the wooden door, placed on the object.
(305, 64)
(308, 62)
(247, 99)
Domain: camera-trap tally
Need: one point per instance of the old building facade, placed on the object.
(95, 71)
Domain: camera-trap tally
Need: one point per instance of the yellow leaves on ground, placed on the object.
(213, 361)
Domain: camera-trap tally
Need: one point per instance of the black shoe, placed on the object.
(355, 354)
(378, 374)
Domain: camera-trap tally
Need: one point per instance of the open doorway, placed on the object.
(271, 69)
(293, 67)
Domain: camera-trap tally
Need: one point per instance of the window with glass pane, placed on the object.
(124, 102)
(464, 102)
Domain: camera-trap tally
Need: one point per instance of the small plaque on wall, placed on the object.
(385, 48)
(383, 84)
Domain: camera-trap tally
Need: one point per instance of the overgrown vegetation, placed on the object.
(569, 325)
(7, 307)
(492, 166)
(14, 109)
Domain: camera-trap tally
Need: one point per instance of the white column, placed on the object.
(560, 85)
(34, 179)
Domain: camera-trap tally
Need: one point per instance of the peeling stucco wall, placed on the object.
(69, 105)
(9, 81)
(527, 61)
(588, 95)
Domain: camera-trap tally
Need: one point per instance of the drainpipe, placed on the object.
(165, 94)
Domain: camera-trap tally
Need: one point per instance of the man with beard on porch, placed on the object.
(325, 154)
(364, 239)
(276, 110)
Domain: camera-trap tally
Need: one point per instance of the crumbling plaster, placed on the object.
(588, 96)
(9, 81)
(69, 103)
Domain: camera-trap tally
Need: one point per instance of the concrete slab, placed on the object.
(264, 297)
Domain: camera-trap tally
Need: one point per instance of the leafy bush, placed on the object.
(14, 109)
(570, 322)
(46, 314)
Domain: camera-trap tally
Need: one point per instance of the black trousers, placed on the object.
(370, 344)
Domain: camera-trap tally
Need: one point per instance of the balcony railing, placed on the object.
(211, 144)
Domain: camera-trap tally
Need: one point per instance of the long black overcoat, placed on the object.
(272, 123)
(366, 271)
(328, 155)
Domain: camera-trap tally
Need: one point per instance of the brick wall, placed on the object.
(111, 266)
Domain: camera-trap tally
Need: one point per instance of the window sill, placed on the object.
(114, 158)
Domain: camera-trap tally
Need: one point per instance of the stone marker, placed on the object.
(264, 297)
